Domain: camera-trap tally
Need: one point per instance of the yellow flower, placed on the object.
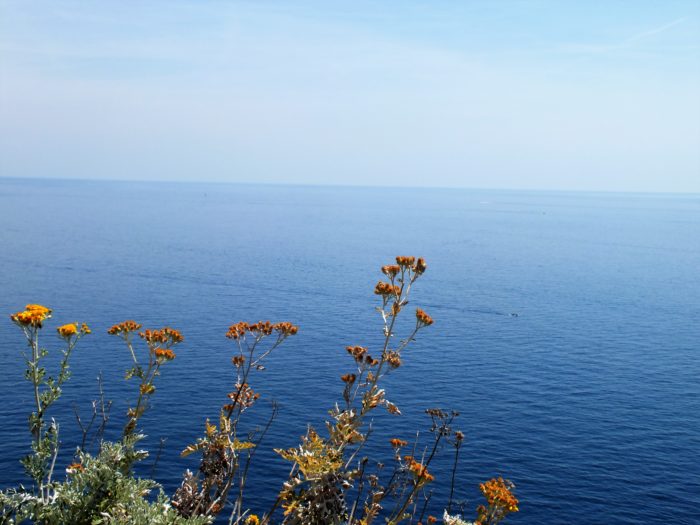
(67, 330)
(252, 520)
(33, 315)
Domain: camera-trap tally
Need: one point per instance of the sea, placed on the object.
(566, 333)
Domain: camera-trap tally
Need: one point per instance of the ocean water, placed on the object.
(566, 330)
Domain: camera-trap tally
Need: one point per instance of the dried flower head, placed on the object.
(405, 261)
(422, 318)
(165, 336)
(33, 315)
(420, 266)
(238, 361)
(386, 289)
(394, 359)
(391, 270)
(67, 330)
(124, 328)
(261, 328)
(85, 329)
(348, 378)
(357, 352)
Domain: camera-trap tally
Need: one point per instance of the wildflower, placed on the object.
(147, 388)
(85, 329)
(390, 270)
(238, 361)
(419, 470)
(67, 330)
(386, 289)
(357, 352)
(497, 492)
(348, 378)
(394, 359)
(420, 266)
(124, 328)
(164, 354)
(33, 315)
(167, 336)
(252, 520)
(431, 520)
(405, 261)
(74, 468)
(422, 318)
(459, 436)
(286, 329)
(398, 443)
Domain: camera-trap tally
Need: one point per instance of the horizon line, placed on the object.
(346, 185)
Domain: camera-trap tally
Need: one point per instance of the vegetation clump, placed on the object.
(330, 482)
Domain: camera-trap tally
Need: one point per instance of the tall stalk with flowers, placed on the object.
(331, 481)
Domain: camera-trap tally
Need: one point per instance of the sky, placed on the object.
(562, 95)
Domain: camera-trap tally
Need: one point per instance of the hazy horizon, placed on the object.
(521, 95)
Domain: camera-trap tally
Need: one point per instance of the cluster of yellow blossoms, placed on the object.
(419, 470)
(499, 496)
(33, 315)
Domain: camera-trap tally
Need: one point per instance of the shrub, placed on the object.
(330, 481)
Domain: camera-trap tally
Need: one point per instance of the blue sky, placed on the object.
(595, 95)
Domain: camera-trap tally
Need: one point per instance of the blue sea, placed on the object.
(567, 327)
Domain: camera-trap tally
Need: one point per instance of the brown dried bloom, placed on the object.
(124, 328)
(394, 359)
(238, 361)
(386, 289)
(423, 318)
(357, 352)
(166, 336)
(405, 261)
(348, 378)
(391, 270)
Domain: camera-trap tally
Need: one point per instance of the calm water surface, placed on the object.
(588, 398)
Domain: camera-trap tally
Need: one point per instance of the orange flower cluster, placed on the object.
(359, 353)
(410, 263)
(419, 470)
(238, 361)
(67, 330)
(423, 318)
(244, 396)
(33, 315)
(74, 467)
(124, 328)
(252, 520)
(386, 289)
(398, 443)
(165, 336)
(391, 270)
(238, 330)
(497, 492)
(164, 354)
